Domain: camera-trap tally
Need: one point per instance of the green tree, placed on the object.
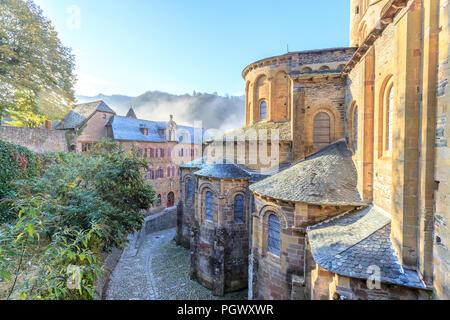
(76, 208)
(33, 62)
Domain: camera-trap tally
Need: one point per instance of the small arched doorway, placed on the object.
(170, 199)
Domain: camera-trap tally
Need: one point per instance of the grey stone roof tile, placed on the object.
(195, 164)
(258, 130)
(353, 243)
(327, 177)
(223, 169)
(81, 112)
(129, 129)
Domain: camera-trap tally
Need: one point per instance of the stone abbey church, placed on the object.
(357, 205)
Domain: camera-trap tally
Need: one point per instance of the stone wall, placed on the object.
(36, 139)
(441, 245)
(269, 80)
(110, 262)
(277, 277)
(187, 211)
(162, 221)
(220, 248)
(171, 183)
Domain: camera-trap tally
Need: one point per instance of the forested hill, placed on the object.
(216, 112)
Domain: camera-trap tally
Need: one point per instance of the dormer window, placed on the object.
(145, 131)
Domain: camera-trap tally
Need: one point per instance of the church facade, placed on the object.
(338, 185)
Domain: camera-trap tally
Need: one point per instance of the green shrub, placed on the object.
(77, 207)
(16, 163)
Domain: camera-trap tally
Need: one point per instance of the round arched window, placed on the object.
(239, 209)
(274, 235)
(263, 110)
(209, 206)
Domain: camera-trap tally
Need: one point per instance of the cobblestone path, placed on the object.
(159, 270)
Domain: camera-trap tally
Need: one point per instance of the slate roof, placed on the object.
(81, 112)
(71, 120)
(351, 243)
(195, 164)
(253, 132)
(223, 169)
(314, 73)
(327, 177)
(87, 109)
(129, 129)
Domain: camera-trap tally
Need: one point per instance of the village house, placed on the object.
(164, 144)
(357, 204)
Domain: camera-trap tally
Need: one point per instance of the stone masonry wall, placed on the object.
(162, 221)
(441, 251)
(36, 139)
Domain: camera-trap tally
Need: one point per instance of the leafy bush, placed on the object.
(16, 162)
(78, 207)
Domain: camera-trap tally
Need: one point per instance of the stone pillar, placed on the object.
(427, 139)
(368, 124)
(297, 122)
(405, 153)
(195, 238)
(219, 262)
(320, 283)
(179, 233)
(298, 288)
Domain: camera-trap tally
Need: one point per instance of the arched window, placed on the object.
(355, 128)
(173, 171)
(209, 206)
(324, 68)
(239, 209)
(253, 203)
(189, 190)
(306, 70)
(274, 235)
(389, 118)
(263, 110)
(322, 131)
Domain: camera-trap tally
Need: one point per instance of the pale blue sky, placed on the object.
(178, 46)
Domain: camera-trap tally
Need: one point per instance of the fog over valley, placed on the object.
(216, 112)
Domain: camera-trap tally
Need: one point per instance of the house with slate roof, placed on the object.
(164, 143)
(337, 186)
